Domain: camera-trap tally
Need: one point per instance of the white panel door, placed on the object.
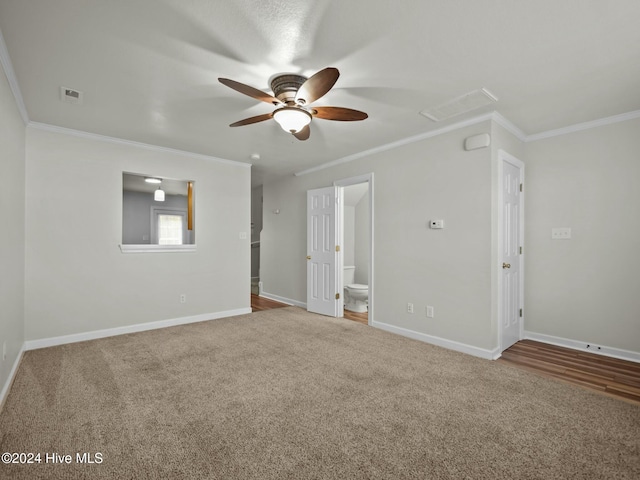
(511, 212)
(322, 251)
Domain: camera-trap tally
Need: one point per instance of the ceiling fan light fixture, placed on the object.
(292, 119)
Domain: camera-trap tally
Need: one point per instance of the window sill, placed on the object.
(157, 248)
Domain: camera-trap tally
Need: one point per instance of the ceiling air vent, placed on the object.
(69, 95)
(465, 103)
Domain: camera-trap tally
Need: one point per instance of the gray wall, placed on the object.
(449, 269)
(586, 288)
(256, 228)
(256, 213)
(78, 280)
(361, 239)
(349, 235)
(12, 237)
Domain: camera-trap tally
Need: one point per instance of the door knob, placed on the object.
(506, 265)
(308, 257)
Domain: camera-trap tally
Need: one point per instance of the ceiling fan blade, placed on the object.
(339, 113)
(317, 85)
(250, 120)
(303, 134)
(247, 90)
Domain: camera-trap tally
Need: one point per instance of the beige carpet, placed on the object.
(283, 394)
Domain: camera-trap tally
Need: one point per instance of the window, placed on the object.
(169, 226)
(169, 229)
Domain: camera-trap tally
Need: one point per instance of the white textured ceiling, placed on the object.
(149, 68)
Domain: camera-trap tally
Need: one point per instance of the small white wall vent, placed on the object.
(464, 103)
(477, 141)
(69, 95)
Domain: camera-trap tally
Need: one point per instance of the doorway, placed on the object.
(355, 225)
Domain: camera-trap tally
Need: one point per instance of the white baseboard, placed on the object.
(140, 327)
(12, 374)
(288, 301)
(582, 346)
(441, 342)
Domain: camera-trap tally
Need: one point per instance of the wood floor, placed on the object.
(357, 317)
(260, 303)
(610, 376)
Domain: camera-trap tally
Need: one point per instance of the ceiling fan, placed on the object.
(292, 95)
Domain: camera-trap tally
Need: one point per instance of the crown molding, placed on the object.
(494, 116)
(509, 126)
(10, 73)
(578, 127)
(399, 143)
(103, 138)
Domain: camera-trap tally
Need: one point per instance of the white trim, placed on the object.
(623, 117)
(345, 182)
(157, 248)
(440, 342)
(140, 327)
(103, 138)
(280, 299)
(10, 73)
(582, 346)
(12, 374)
(509, 126)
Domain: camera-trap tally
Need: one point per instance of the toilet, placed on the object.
(356, 296)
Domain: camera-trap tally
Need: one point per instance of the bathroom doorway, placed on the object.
(356, 234)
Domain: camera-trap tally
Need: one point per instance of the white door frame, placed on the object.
(502, 158)
(345, 182)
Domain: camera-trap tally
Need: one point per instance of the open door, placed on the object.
(511, 230)
(324, 292)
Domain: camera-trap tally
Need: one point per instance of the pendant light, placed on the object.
(158, 195)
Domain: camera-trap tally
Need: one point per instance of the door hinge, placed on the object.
(520, 313)
(520, 250)
(337, 248)
(337, 296)
(521, 187)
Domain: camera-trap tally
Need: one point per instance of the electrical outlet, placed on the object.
(429, 310)
(561, 233)
(183, 298)
(409, 307)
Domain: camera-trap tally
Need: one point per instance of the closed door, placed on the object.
(511, 254)
(323, 295)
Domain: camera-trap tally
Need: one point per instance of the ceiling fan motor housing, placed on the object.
(292, 94)
(286, 86)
